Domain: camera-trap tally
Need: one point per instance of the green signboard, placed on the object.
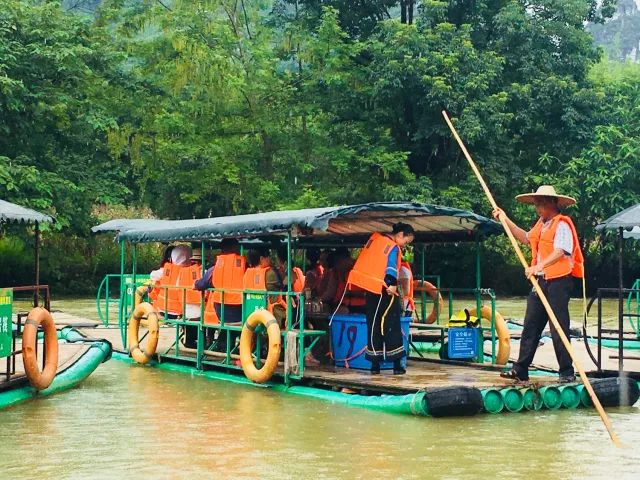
(6, 313)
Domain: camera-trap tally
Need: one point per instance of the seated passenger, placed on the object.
(264, 277)
(315, 272)
(337, 295)
(227, 275)
(168, 299)
(297, 279)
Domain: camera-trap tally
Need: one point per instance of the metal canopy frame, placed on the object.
(626, 224)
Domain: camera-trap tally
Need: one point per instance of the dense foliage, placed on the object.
(183, 108)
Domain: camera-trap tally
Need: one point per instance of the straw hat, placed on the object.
(546, 191)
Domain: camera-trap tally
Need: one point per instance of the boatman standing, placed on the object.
(556, 259)
(376, 272)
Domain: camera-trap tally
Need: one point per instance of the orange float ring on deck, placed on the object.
(40, 380)
(502, 331)
(432, 291)
(143, 311)
(267, 319)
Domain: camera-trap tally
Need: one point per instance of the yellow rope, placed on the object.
(384, 315)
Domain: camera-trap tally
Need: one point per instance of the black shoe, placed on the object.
(397, 368)
(567, 378)
(513, 375)
(375, 368)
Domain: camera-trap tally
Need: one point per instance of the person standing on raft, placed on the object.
(555, 258)
(376, 272)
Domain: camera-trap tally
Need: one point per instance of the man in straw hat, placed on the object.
(555, 258)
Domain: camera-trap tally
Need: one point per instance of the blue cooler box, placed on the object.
(349, 340)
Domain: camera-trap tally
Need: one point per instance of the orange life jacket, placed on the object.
(187, 277)
(409, 295)
(165, 301)
(255, 278)
(542, 242)
(229, 274)
(298, 282)
(369, 270)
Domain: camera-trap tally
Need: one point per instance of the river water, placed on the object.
(129, 420)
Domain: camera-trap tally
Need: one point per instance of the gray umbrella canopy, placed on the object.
(627, 219)
(431, 222)
(634, 233)
(10, 212)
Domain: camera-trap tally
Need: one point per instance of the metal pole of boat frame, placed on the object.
(620, 300)
(479, 300)
(36, 293)
(121, 320)
(201, 332)
(536, 286)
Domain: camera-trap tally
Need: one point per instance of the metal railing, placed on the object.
(633, 306)
(181, 322)
(609, 334)
(479, 294)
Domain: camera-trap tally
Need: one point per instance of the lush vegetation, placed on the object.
(182, 108)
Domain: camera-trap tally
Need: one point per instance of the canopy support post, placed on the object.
(36, 293)
(620, 300)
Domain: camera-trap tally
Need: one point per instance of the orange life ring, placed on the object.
(246, 346)
(432, 291)
(40, 380)
(143, 311)
(144, 289)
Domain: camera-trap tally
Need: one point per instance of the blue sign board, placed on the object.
(463, 342)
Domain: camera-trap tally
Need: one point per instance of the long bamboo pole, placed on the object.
(536, 286)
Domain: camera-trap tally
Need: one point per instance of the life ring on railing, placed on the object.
(246, 346)
(145, 289)
(40, 380)
(144, 310)
(432, 291)
(504, 338)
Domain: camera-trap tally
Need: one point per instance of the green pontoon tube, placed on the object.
(99, 351)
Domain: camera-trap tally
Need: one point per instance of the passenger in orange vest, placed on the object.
(263, 277)
(315, 273)
(348, 300)
(226, 274)
(156, 275)
(556, 259)
(168, 299)
(297, 279)
(189, 298)
(376, 271)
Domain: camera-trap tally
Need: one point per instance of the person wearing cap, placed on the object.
(555, 259)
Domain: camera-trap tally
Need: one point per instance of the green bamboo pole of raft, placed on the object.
(536, 286)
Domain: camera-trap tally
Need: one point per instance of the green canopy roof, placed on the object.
(10, 212)
(331, 224)
(627, 219)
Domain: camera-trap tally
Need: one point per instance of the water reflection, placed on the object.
(134, 420)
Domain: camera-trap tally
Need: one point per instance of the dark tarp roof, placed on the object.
(431, 222)
(10, 212)
(626, 219)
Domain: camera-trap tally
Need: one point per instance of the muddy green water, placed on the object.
(147, 423)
